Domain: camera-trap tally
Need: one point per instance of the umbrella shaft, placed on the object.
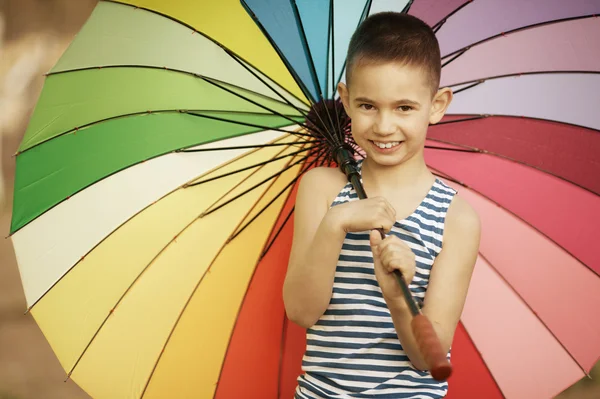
(360, 191)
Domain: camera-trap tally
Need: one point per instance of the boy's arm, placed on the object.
(448, 282)
(318, 239)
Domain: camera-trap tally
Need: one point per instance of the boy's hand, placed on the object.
(365, 215)
(390, 254)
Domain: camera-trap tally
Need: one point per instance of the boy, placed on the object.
(339, 283)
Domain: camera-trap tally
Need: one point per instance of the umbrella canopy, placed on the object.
(155, 184)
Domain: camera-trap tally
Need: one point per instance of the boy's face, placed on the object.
(391, 106)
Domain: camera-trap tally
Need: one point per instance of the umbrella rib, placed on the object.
(193, 74)
(483, 360)
(521, 28)
(240, 147)
(436, 27)
(247, 168)
(192, 295)
(301, 111)
(313, 70)
(146, 268)
(292, 182)
(468, 87)
(516, 116)
(273, 176)
(133, 114)
(328, 53)
(331, 19)
(508, 75)
(244, 123)
(282, 57)
(227, 50)
(483, 151)
(407, 6)
(455, 57)
(470, 118)
(268, 246)
(253, 274)
(513, 289)
(433, 147)
(213, 82)
(444, 175)
(129, 219)
(365, 13)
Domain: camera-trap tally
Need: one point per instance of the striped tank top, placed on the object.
(353, 350)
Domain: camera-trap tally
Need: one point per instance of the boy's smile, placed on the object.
(391, 105)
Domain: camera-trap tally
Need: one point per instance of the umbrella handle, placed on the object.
(428, 341)
(431, 348)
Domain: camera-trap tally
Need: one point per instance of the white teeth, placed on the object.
(386, 145)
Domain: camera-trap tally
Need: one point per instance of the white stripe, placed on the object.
(358, 306)
(365, 287)
(380, 330)
(48, 246)
(363, 373)
(376, 319)
(353, 340)
(350, 352)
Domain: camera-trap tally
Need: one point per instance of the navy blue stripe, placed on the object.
(357, 236)
(444, 189)
(320, 391)
(360, 367)
(345, 377)
(441, 209)
(355, 312)
(350, 301)
(348, 345)
(424, 237)
(356, 269)
(353, 247)
(355, 323)
(322, 379)
(363, 356)
(353, 334)
(355, 258)
(428, 217)
(350, 280)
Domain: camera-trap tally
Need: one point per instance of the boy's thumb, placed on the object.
(375, 238)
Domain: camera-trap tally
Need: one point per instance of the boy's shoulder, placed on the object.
(327, 181)
(462, 219)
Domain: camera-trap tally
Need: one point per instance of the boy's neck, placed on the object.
(411, 173)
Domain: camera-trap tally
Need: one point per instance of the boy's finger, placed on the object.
(375, 238)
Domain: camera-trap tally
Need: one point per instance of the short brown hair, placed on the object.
(395, 37)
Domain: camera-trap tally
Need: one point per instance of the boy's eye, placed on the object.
(366, 107)
(405, 108)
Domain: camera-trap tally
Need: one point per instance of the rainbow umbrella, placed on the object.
(155, 184)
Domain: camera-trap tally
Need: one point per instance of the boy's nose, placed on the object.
(384, 125)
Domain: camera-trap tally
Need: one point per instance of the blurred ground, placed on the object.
(33, 35)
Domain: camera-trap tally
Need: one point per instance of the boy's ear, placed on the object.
(441, 102)
(344, 96)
